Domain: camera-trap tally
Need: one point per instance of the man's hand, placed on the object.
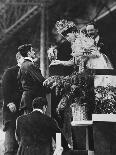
(12, 107)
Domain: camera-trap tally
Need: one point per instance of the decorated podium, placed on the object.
(82, 86)
(82, 130)
(104, 133)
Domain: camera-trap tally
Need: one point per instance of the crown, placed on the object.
(64, 25)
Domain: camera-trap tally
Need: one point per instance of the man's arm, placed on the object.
(7, 91)
(36, 73)
(7, 87)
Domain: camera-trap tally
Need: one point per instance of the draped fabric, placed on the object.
(104, 86)
(100, 62)
(86, 55)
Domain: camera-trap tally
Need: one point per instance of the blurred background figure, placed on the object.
(12, 92)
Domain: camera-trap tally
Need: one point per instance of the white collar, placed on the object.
(28, 58)
(18, 64)
(38, 110)
(97, 39)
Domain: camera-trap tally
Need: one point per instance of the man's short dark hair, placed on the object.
(39, 102)
(24, 49)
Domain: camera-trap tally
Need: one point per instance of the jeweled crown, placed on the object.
(63, 25)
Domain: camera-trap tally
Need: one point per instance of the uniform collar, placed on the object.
(97, 39)
(38, 110)
(28, 58)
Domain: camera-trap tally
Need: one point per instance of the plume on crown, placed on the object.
(63, 25)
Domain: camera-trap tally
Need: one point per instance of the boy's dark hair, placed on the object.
(39, 102)
(24, 49)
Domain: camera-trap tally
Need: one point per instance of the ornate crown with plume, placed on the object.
(63, 25)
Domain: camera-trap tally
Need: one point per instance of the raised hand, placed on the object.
(12, 107)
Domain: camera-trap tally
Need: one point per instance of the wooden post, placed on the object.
(47, 41)
(58, 140)
(42, 42)
(48, 112)
(43, 54)
(59, 149)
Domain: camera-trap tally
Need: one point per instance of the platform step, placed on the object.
(90, 152)
(78, 152)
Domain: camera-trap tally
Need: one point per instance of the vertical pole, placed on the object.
(48, 97)
(58, 140)
(43, 55)
(47, 41)
(42, 42)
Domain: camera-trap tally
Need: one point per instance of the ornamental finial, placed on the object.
(64, 25)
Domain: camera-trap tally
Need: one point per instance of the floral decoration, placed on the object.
(105, 99)
(84, 45)
(63, 25)
(72, 88)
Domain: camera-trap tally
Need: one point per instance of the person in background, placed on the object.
(102, 82)
(30, 77)
(34, 131)
(92, 32)
(62, 64)
(69, 31)
(12, 92)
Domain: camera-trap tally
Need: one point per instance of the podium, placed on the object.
(82, 135)
(103, 131)
(104, 134)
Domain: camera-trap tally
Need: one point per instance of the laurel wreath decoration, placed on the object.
(72, 88)
(105, 99)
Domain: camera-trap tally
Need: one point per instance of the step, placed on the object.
(78, 152)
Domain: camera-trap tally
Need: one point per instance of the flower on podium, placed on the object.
(64, 27)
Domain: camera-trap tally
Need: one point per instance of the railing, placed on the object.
(14, 14)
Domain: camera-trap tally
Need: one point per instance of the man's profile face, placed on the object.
(19, 59)
(32, 53)
(91, 31)
(70, 37)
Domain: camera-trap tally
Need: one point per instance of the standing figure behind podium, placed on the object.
(69, 31)
(102, 61)
(104, 85)
(86, 44)
(30, 77)
(63, 68)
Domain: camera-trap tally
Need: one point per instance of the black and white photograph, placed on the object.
(57, 77)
